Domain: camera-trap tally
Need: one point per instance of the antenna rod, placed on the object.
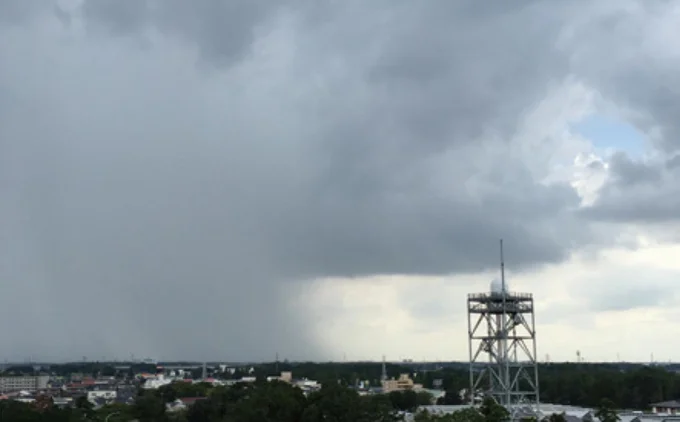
(502, 269)
(504, 327)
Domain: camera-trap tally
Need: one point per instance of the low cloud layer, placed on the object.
(175, 175)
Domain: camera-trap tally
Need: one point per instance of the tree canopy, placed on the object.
(602, 387)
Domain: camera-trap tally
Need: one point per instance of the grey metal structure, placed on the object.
(502, 345)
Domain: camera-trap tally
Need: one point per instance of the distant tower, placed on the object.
(501, 325)
(204, 374)
(383, 377)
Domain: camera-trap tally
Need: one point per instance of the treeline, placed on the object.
(629, 386)
(588, 385)
(277, 401)
(399, 400)
(244, 402)
(87, 369)
(582, 384)
(260, 402)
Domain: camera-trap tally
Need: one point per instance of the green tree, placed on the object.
(116, 412)
(556, 417)
(492, 411)
(404, 400)
(451, 397)
(11, 410)
(83, 409)
(469, 414)
(377, 408)
(202, 411)
(606, 412)
(464, 415)
(424, 398)
(277, 401)
(333, 403)
(422, 416)
(149, 408)
(336, 403)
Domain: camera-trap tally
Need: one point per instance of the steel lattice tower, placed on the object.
(502, 345)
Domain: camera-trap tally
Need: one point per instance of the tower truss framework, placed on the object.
(502, 345)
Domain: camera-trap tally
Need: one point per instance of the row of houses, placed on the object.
(155, 381)
(100, 391)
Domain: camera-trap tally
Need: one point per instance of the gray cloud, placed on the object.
(636, 289)
(154, 208)
(627, 172)
(639, 72)
(17, 12)
(640, 76)
(639, 191)
(223, 31)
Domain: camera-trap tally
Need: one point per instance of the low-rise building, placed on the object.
(108, 395)
(403, 383)
(23, 383)
(670, 407)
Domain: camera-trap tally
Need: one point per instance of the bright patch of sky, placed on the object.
(608, 134)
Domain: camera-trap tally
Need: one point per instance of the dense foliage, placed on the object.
(630, 386)
(588, 385)
(257, 402)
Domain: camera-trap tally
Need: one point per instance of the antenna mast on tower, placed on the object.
(504, 331)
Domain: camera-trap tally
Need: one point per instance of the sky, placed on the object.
(609, 134)
(232, 180)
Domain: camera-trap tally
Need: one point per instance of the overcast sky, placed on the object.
(234, 179)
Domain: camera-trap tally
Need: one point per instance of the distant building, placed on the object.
(671, 407)
(108, 395)
(21, 383)
(403, 383)
(286, 376)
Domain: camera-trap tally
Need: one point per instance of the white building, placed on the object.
(101, 394)
(156, 382)
(28, 383)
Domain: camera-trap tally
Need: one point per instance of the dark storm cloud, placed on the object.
(223, 31)
(627, 172)
(368, 202)
(638, 191)
(153, 209)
